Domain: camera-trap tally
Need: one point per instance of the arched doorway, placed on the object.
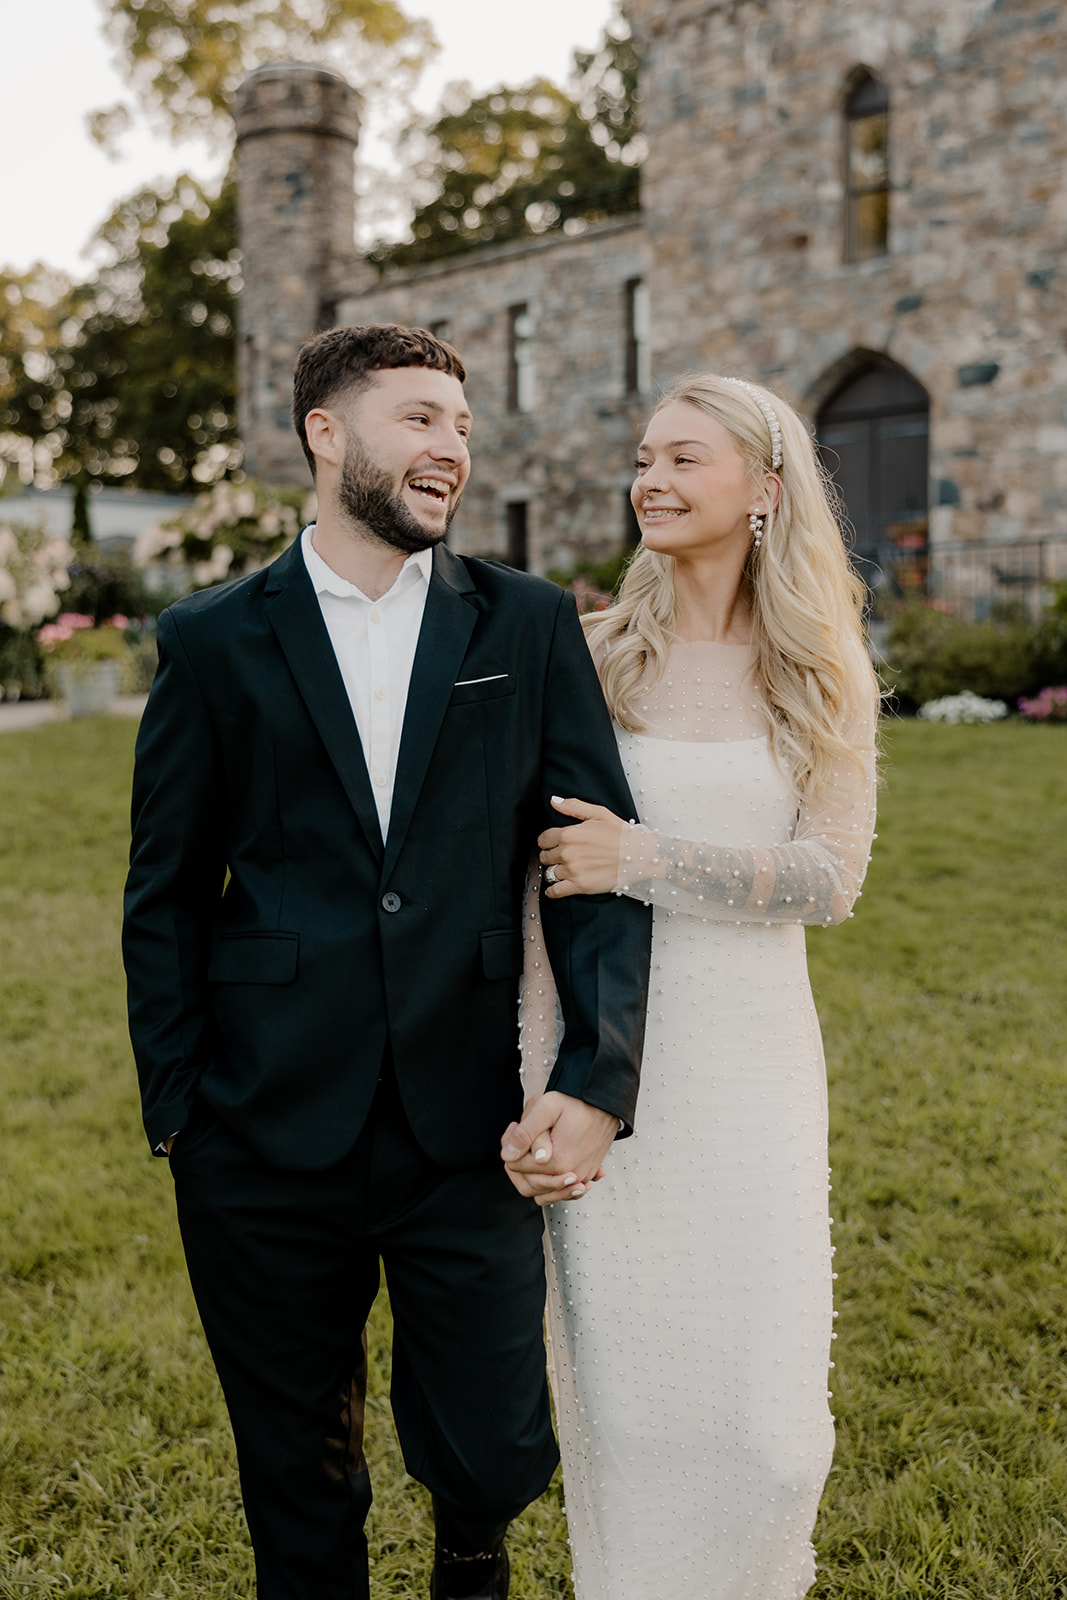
(874, 434)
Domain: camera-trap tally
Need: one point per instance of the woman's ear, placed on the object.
(772, 492)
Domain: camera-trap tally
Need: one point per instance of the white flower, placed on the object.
(39, 601)
(154, 541)
(965, 707)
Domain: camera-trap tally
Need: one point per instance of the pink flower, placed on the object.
(52, 634)
(74, 619)
(118, 621)
(1048, 706)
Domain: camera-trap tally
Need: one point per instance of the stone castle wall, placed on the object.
(569, 457)
(741, 242)
(744, 196)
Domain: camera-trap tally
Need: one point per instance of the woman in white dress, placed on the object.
(690, 1302)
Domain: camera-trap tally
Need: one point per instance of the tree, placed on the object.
(131, 378)
(520, 161)
(33, 308)
(185, 58)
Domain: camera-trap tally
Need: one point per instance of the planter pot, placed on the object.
(90, 689)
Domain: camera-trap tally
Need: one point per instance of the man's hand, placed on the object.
(170, 1141)
(583, 859)
(556, 1151)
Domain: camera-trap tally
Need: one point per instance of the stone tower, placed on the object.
(297, 130)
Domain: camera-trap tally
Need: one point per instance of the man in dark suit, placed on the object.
(344, 765)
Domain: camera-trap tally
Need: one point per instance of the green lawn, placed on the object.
(945, 1012)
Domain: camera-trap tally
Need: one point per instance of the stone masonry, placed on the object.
(741, 243)
(743, 196)
(568, 457)
(297, 128)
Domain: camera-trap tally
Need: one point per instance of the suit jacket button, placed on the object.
(391, 901)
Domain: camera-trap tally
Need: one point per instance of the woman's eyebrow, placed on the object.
(679, 444)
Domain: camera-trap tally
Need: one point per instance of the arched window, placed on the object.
(873, 432)
(867, 169)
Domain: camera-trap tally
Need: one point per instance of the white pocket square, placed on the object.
(464, 683)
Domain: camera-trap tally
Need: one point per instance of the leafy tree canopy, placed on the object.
(32, 313)
(130, 378)
(185, 58)
(520, 161)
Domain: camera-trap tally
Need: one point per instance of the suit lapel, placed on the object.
(293, 613)
(447, 624)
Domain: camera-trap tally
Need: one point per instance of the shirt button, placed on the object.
(390, 901)
(379, 692)
(380, 779)
(376, 616)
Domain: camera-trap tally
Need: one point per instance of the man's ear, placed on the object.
(325, 435)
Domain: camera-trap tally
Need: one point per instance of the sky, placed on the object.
(56, 66)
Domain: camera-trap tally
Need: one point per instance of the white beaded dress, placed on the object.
(690, 1305)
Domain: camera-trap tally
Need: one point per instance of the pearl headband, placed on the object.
(772, 421)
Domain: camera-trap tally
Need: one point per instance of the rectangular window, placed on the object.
(520, 358)
(867, 161)
(638, 354)
(518, 535)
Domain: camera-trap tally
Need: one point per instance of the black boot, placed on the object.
(479, 1577)
(469, 1559)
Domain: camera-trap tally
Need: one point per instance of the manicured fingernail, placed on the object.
(576, 1194)
(510, 1152)
(557, 799)
(540, 1155)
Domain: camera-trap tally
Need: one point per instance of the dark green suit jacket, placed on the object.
(273, 944)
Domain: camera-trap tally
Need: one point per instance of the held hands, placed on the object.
(582, 859)
(556, 1151)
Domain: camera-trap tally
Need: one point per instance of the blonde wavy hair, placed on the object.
(812, 668)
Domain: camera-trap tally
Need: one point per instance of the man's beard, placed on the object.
(365, 493)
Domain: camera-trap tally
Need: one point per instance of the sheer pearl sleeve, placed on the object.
(540, 1019)
(816, 878)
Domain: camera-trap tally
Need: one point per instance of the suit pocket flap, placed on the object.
(470, 690)
(502, 954)
(254, 958)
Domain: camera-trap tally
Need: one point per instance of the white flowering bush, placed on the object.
(34, 571)
(230, 530)
(965, 707)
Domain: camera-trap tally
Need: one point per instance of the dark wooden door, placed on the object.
(874, 433)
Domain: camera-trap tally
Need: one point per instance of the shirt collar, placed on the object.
(325, 580)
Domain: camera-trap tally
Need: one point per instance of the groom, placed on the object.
(343, 768)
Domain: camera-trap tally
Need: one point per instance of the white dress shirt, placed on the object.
(374, 642)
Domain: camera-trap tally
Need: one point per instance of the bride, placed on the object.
(689, 1317)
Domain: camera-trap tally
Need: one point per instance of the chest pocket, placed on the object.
(472, 691)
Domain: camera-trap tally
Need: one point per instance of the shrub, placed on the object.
(965, 707)
(103, 586)
(21, 667)
(230, 530)
(1049, 706)
(931, 654)
(594, 584)
(33, 573)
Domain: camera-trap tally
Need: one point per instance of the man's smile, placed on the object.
(438, 489)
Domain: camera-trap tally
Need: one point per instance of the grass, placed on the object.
(945, 1010)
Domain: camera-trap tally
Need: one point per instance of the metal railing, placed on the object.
(968, 578)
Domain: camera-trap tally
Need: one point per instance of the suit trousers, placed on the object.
(285, 1268)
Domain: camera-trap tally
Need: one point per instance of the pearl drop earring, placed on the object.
(755, 523)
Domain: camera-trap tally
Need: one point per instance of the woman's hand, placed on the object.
(582, 859)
